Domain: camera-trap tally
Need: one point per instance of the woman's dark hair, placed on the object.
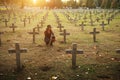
(48, 26)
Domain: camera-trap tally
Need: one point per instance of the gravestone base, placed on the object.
(21, 68)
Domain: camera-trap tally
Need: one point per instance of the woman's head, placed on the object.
(48, 27)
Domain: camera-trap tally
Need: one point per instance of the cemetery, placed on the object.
(86, 42)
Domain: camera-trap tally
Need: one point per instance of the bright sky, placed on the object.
(47, 0)
(68, 0)
(62, 0)
(34, 1)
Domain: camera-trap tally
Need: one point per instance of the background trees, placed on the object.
(60, 4)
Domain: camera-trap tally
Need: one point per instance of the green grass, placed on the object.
(91, 65)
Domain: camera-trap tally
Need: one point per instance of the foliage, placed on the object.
(69, 3)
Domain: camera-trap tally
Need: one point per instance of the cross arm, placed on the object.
(64, 34)
(117, 50)
(38, 27)
(94, 32)
(1, 32)
(60, 26)
(69, 51)
(79, 51)
(103, 24)
(13, 26)
(33, 32)
(23, 50)
(82, 24)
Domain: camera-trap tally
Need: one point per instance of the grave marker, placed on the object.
(13, 27)
(91, 21)
(94, 34)
(38, 27)
(6, 21)
(109, 19)
(0, 38)
(60, 27)
(33, 33)
(58, 22)
(97, 19)
(64, 34)
(18, 51)
(82, 26)
(103, 25)
(74, 51)
(24, 21)
(29, 18)
(117, 50)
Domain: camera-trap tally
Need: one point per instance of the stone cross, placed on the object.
(6, 21)
(17, 50)
(24, 21)
(0, 38)
(64, 34)
(13, 27)
(74, 51)
(60, 27)
(103, 25)
(102, 16)
(82, 26)
(38, 27)
(29, 18)
(117, 50)
(58, 22)
(109, 19)
(33, 33)
(97, 19)
(94, 34)
(91, 21)
(0, 20)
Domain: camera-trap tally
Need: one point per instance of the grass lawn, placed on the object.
(99, 61)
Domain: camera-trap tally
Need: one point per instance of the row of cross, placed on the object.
(72, 51)
(13, 26)
(17, 49)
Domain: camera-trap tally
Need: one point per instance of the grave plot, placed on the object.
(94, 34)
(6, 22)
(13, 27)
(74, 51)
(103, 25)
(99, 61)
(64, 34)
(82, 26)
(18, 51)
(34, 33)
(60, 27)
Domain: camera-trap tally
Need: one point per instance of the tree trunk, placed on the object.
(113, 4)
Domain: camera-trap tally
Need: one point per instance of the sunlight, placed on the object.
(34, 1)
(65, 0)
(69, 0)
(47, 0)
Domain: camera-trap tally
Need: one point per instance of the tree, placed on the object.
(90, 3)
(113, 4)
(80, 3)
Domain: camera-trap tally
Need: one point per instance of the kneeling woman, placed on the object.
(49, 36)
